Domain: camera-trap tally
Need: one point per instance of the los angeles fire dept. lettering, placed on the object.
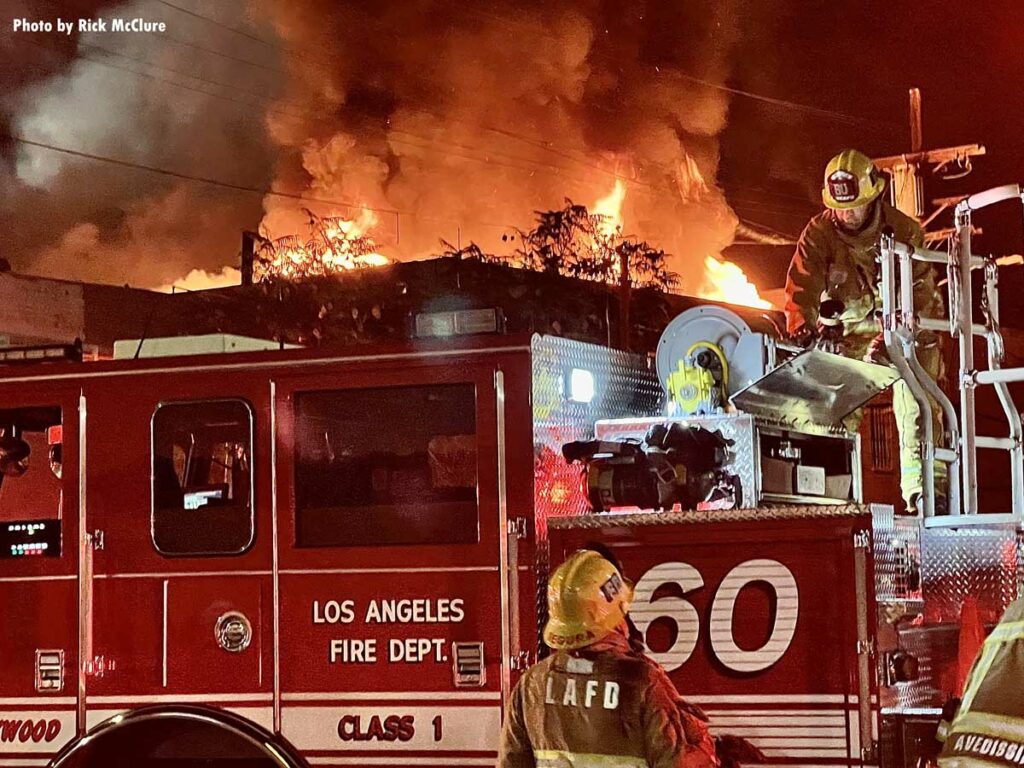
(405, 650)
(391, 728)
(29, 730)
(442, 610)
(410, 650)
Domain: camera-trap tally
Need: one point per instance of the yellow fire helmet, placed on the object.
(851, 180)
(587, 598)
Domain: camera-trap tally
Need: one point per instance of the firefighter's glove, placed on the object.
(830, 335)
(804, 338)
(735, 752)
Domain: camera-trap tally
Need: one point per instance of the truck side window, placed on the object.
(202, 478)
(31, 491)
(386, 466)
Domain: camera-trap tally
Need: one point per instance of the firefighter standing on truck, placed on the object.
(835, 268)
(597, 701)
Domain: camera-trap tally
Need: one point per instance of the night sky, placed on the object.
(860, 59)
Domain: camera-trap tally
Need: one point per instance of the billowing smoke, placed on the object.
(454, 119)
(129, 96)
(459, 120)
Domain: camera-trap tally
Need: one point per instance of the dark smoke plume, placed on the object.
(457, 120)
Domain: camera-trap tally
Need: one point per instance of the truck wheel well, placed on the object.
(181, 736)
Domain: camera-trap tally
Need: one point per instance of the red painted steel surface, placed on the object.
(153, 616)
(794, 693)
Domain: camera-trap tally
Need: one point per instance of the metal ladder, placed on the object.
(900, 327)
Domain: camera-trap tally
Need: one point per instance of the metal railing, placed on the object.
(901, 326)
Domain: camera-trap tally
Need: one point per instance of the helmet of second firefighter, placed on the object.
(587, 599)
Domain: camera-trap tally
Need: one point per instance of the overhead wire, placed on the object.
(806, 108)
(217, 23)
(511, 161)
(268, 191)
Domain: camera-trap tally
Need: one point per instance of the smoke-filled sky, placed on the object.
(457, 119)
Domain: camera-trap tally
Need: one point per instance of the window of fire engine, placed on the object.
(30, 482)
(387, 466)
(202, 478)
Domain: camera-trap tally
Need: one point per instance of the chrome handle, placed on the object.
(99, 666)
(233, 632)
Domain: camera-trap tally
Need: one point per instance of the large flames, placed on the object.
(722, 280)
(608, 211)
(335, 244)
(725, 281)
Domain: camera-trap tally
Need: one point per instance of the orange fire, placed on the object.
(335, 245)
(609, 212)
(725, 281)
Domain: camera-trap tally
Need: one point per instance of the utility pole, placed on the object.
(907, 190)
(625, 298)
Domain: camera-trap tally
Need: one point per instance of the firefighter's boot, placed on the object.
(910, 427)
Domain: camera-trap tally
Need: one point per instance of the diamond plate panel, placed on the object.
(696, 516)
(738, 427)
(897, 557)
(624, 386)
(935, 648)
(980, 562)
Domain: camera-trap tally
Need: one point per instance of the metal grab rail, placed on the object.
(893, 320)
(930, 386)
(900, 328)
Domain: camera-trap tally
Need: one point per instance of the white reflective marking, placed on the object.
(164, 644)
(181, 697)
(646, 611)
(263, 716)
(392, 695)
(767, 731)
(462, 569)
(773, 698)
(12, 579)
(722, 609)
(753, 721)
(804, 741)
(178, 574)
(801, 753)
(38, 700)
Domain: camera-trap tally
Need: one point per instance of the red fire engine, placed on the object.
(305, 558)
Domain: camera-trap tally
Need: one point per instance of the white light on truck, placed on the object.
(581, 385)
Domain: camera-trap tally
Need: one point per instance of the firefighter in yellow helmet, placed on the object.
(597, 701)
(835, 266)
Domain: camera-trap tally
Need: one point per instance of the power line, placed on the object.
(480, 13)
(179, 72)
(269, 191)
(539, 144)
(218, 23)
(155, 78)
(531, 166)
(239, 59)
